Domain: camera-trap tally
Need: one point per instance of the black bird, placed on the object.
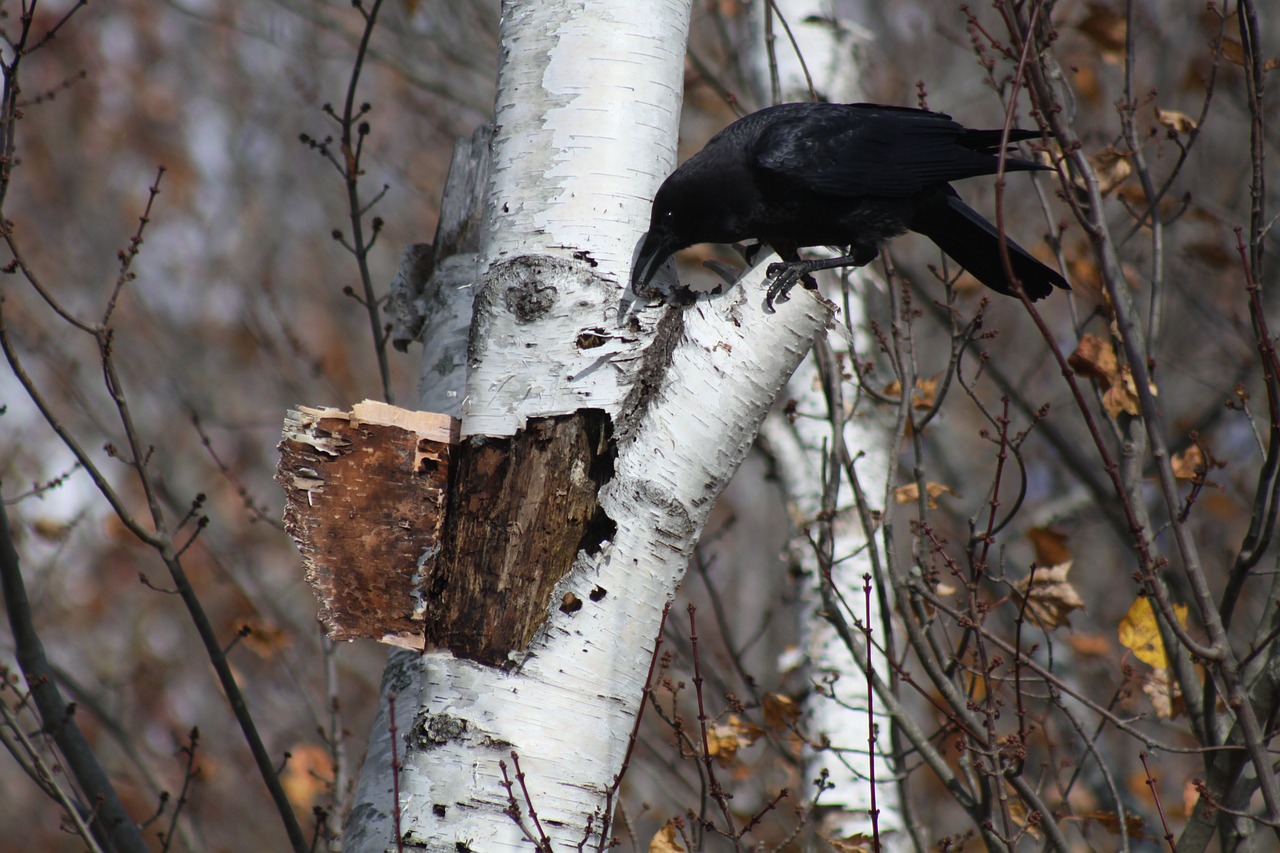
(852, 175)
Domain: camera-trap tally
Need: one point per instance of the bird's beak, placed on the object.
(652, 251)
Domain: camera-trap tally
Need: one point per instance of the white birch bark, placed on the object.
(568, 710)
(586, 121)
(584, 137)
(837, 713)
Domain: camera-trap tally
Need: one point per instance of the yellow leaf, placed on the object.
(1139, 633)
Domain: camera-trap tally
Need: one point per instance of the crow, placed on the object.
(855, 175)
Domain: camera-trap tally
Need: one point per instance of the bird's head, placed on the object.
(703, 201)
(667, 234)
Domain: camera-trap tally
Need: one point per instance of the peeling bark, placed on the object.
(364, 501)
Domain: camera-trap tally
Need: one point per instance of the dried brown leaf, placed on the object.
(1233, 51)
(51, 529)
(1122, 396)
(1106, 29)
(1178, 122)
(723, 744)
(1110, 821)
(265, 639)
(857, 843)
(1164, 693)
(1194, 463)
(1112, 168)
(1050, 545)
(1089, 645)
(780, 712)
(667, 840)
(926, 393)
(1018, 812)
(910, 493)
(1095, 357)
(304, 776)
(1050, 597)
(922, 397)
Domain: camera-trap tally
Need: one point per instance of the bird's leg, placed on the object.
(784, 275)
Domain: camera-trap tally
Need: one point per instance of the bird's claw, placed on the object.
(783, 277)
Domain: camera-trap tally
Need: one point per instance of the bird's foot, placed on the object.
(783, 277)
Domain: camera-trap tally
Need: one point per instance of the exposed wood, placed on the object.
(520, 511)
(364, 501)
(410, 538)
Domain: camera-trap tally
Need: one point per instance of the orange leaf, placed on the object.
(307, 775)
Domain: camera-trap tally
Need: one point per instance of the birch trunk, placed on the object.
(584, 131)
(825, 56)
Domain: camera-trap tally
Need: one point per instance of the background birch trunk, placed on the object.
(808, 54)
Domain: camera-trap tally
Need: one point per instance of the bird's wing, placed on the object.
(861, 151)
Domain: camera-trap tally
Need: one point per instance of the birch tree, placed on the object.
(668, 397)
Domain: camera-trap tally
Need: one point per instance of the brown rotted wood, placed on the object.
(519, 510)
(364, 501)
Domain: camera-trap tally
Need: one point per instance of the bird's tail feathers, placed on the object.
(973, 242)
